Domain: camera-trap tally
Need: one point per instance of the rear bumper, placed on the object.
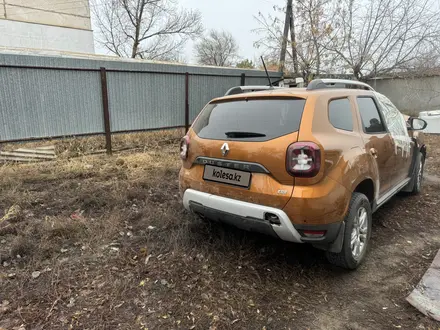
(244, 215)
(251, 217)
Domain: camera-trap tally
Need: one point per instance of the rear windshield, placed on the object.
(250, 120)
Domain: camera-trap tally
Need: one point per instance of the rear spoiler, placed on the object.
(247, 89)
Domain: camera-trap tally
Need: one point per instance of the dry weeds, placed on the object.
(79, 146)
(433, 156)
(103, 243)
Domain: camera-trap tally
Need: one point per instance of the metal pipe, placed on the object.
(105, 108)
(186, 102)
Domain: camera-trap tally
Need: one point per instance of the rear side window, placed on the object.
(371, 119)
(250, 120)
(340, 115)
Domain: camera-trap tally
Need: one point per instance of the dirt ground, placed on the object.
(98, 242)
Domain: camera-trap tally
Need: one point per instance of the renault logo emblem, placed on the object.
(225, 149)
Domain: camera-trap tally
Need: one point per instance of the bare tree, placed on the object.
(315, 26)
(150, 29)
(384, 36)
(362, 37)
(271, 32)
(310, 27)
(218, 48)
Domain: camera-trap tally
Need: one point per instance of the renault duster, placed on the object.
(305, 165)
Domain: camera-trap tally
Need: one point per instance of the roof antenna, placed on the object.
(267, 73)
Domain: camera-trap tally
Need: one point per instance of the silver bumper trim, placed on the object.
(285, 230)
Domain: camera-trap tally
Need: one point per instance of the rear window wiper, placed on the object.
(244, 134)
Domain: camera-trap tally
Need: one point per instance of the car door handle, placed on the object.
(373, 152)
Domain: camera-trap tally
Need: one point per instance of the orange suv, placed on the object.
(306, 165)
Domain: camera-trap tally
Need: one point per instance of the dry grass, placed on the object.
(433, 154)
(79, 146)
(115, 250)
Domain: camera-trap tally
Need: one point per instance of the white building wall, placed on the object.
(15, 34)
(412, 94)
(46, 24)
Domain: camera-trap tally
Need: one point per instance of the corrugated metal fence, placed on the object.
(53, 96)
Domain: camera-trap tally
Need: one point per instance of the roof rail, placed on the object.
(335, 83)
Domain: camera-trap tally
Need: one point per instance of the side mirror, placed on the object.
(417, 124)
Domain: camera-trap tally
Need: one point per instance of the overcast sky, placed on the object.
(234, 16)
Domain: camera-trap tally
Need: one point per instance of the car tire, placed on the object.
(357, 234)
(418, 175)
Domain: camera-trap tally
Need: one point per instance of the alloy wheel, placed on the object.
(359, 233)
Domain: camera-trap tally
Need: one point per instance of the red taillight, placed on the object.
(184, 146)
(314, 233)
(303, 159)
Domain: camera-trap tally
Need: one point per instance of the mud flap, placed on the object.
(336, 245)
(426, 296)
(416, 158)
